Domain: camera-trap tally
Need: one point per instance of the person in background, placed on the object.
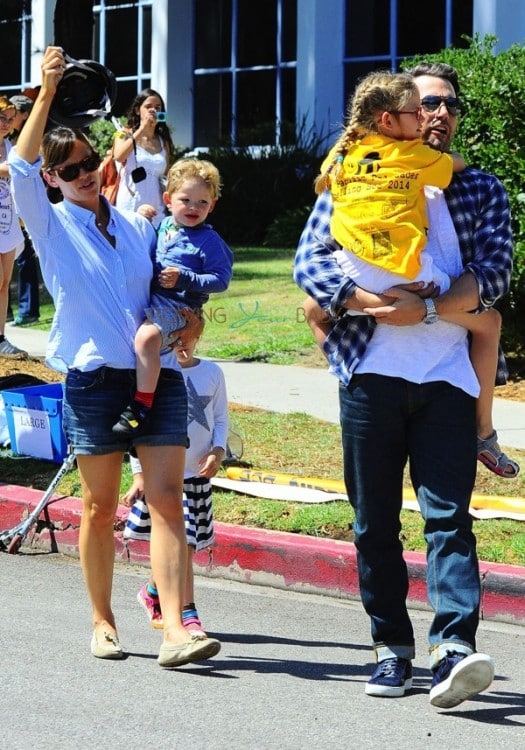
(408, 393)
(144, 151)
(27, 261)
(208, 435)
(96, 263)
(11, 237)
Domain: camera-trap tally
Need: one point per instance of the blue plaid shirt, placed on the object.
(479, 207)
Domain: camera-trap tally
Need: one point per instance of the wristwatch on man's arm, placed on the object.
(431, 314)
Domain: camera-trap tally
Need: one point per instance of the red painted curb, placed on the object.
(288, 561)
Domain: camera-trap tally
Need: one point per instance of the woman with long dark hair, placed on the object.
(144, 150)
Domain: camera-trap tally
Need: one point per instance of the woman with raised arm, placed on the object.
(96, 264)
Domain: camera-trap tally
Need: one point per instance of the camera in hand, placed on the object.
(138, 174)
(161, 116)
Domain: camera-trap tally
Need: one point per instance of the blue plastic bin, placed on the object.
(34, 421)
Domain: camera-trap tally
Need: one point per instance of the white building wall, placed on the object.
(503, 18)
(320, 74)
(42, 35)
(172, 64)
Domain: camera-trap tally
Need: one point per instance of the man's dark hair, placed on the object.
(437, 70)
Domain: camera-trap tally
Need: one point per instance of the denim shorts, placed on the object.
(94, 400)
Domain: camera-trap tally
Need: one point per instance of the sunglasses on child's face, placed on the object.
(433, 103)
(70, 172)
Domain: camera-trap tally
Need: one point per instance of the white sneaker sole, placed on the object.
(469, 677)
(387, 691)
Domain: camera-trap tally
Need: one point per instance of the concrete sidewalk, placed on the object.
(286, 389)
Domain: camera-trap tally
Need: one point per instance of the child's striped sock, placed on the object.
(190, 619)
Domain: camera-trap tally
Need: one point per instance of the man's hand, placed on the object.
(399, 306)
(405, 308)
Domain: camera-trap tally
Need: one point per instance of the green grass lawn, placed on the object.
(259, 318)
(276, 443)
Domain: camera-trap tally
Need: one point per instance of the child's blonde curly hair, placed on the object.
(378, 92)
(189, 167)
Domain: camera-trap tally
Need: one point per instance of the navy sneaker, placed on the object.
(458, 677)
(391, 678)
(131, 420)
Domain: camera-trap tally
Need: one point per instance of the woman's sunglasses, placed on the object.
(71, 171)
(433, 103)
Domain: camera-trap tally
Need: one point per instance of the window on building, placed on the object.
(245, 63)
(15, 43)
(129, 61)
(382, 33)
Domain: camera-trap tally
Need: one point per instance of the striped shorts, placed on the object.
(198, 515)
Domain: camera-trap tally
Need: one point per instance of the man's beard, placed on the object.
(438, 141)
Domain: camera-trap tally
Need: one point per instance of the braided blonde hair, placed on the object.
(378, 92)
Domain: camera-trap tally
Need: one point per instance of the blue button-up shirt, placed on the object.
(479, 207)
(99, 291)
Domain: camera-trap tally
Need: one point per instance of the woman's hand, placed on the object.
(53, 66)
(191, 331)
(148, 120)
(52, 69)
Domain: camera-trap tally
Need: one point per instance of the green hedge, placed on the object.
(267, 191)
(491, 136)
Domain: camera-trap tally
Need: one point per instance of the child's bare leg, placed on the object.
(485, 331)
(190, 616)
(317, 319)
(485, 334)
(148, 342)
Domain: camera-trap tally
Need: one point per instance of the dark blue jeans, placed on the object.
(385, 422)
(28, 282)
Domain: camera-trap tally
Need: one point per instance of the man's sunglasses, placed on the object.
(71, 171)
(433, 103)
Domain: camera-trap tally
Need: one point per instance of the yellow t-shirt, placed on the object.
(379, 203)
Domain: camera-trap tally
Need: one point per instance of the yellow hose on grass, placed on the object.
(478, 502)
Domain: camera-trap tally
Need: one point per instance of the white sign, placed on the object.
(32, 432)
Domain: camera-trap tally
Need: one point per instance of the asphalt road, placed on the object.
(290, 675)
